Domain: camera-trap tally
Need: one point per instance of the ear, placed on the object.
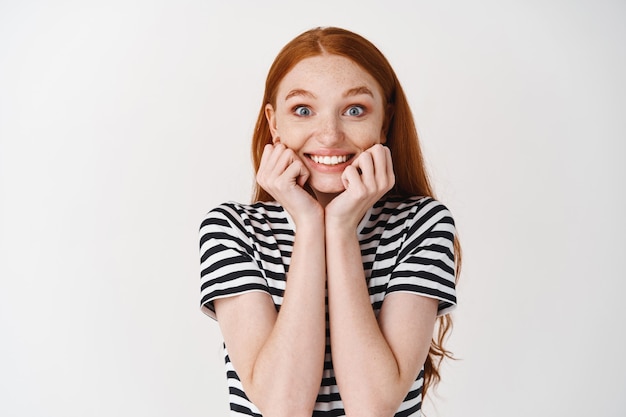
(270, 115)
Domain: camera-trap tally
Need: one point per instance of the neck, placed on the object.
(325, 198)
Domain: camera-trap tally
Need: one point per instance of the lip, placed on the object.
(330, 153)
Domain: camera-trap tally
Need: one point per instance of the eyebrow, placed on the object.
(351, 92)
(299, 92)
(357, 91)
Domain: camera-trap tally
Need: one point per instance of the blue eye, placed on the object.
(355, 111)
(302, 111)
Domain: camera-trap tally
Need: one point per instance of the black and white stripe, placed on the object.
(406, 245)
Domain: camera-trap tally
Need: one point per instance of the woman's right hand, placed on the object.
(282, 174)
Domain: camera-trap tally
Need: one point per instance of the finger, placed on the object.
(365, 164)
(270, 167)
(277, 153)
(390, 173)
(303, 175)
(290, 167)
(278, 162)
(263, 164)
(297, 173)
(271, 155)
(266, 155)
(379, 157)
(351, 179)
(284, 157)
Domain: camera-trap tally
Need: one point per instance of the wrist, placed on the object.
(342, 222)
(312, 218)
(340, 230)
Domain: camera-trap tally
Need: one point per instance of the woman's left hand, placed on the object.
(366, 180)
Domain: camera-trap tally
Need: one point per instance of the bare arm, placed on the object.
(279, 357)
(375, 361)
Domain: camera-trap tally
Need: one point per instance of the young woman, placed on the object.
(327, 288)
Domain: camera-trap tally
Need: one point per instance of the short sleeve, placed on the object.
(426, 259)
(227, 264)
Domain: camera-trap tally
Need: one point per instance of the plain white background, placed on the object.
(123, 122)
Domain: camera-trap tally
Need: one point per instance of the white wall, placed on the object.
(123, 122)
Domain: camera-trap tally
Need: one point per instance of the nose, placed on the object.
(330, 130)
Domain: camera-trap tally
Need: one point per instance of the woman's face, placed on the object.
(328, 111)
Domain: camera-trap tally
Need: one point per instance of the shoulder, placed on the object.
(413, 209)
(245, 222)
(232, 214)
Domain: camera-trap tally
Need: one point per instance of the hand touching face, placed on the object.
(366, 181)
(328, 111)
(282, 174)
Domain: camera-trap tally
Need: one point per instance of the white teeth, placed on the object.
(329, 160)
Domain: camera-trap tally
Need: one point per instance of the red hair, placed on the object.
(408, 163)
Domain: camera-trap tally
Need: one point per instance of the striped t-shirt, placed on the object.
(406, 245)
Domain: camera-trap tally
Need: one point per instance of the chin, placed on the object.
(328, 187)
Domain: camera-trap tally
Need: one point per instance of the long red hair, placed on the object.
(408, 163)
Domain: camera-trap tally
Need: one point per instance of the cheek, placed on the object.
(367, 136)
(292, 137)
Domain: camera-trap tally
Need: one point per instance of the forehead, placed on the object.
(327, 72)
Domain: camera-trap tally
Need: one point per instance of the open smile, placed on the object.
(330, 160)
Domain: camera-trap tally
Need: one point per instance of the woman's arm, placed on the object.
(375, 361)
(279, 357)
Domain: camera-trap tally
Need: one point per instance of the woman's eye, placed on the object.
(355, 111)
(302, 111)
